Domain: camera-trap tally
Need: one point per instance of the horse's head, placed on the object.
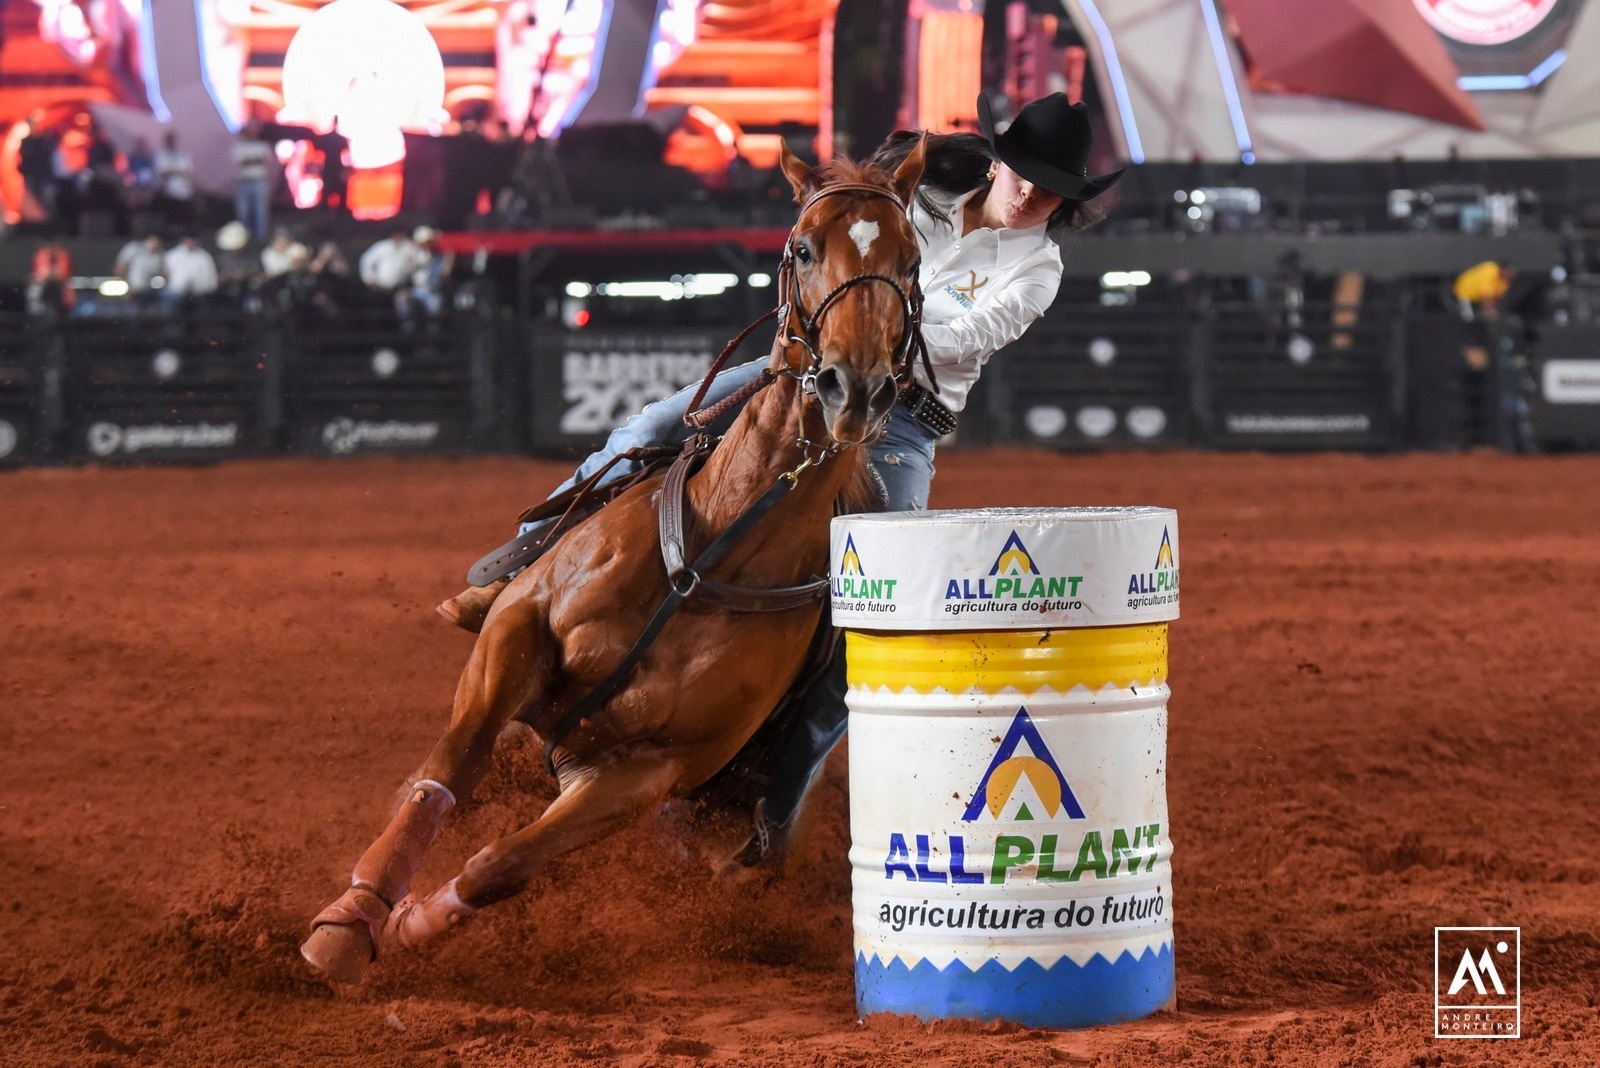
(850, 277)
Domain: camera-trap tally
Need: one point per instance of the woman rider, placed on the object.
(982, 215)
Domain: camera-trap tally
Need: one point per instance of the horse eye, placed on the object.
(802, 253)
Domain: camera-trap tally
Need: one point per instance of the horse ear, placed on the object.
(909, 173)
(801, 177)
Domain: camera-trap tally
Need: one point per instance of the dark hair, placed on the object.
(959, 163)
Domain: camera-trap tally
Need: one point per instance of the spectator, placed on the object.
(428, 279)
(1478, 289)
(48, 291)
(332, 284)
(335, 172)
(142, 264)
(68, 198)
(237, 270)
(175, 175)
(283, 254)
(141, 176)
(37, 164)
(101, 184)
(252, 172)
(389, 264)
(191, 273)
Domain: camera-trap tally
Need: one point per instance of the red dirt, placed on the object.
(214, 679)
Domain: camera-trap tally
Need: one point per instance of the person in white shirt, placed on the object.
(253, 164)
(982, 215)
(283, 254)
(139, 263)
(174, 182)
(390, 263)
(191, 272)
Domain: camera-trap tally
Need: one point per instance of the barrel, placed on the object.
(1010, 847)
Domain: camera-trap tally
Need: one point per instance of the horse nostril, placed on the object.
(883, 397)
(831, 387)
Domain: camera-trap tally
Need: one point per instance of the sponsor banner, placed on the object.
(1248, 423)
(342, 435)
(588, 382)
(189, 435)
(1571, 381)
(1010, 828)
(1005, 568)
(379, 428)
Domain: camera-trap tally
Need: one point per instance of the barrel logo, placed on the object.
(1164, 554)
(1014, 559)
(1009, 769)
(1159, 585)
(853, 584)
(1014, 583)
(850, 561)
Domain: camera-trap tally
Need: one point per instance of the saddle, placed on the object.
(559, 514)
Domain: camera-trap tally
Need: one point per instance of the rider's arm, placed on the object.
(1000, 317)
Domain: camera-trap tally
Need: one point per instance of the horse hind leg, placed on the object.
(503, 675)
(595, 805)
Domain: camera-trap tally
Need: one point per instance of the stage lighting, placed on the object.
(374, 66)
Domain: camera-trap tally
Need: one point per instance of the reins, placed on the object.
(687, 579)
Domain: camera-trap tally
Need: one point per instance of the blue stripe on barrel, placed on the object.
(1066, 994)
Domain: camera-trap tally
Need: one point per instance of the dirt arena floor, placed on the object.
(1384, 719)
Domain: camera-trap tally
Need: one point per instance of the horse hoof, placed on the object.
(341, 951)
(414, 923)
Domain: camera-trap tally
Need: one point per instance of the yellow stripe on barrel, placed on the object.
(1024, 660)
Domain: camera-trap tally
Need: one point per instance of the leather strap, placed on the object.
(674, 505)
(683, 587)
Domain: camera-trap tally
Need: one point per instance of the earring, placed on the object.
(992, 172)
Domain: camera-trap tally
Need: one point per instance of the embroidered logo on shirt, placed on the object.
(967, 295)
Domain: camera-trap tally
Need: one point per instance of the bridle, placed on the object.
(802, 327)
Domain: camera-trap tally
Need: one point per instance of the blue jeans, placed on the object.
(903, 458)
(251, 205)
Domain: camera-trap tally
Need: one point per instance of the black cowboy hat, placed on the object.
(1048, 143)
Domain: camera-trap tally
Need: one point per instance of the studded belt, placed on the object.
(926, 408)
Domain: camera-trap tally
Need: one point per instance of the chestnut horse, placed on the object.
(711, 677)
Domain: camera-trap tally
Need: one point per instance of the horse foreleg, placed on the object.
(502, 676)
(592, 806)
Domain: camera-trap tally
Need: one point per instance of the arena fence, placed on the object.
(1196, 367)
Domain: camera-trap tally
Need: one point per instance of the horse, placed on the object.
(626, 729)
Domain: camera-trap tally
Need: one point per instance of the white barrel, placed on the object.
(1010, 846)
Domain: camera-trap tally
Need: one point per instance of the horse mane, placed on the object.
(864, 492)
(840, 171)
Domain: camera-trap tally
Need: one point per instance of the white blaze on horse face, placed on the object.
(863, 232)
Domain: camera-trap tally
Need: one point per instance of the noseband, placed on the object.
(792, 310)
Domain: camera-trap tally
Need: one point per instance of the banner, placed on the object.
(587, 383)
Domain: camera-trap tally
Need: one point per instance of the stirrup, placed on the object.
(760, 843)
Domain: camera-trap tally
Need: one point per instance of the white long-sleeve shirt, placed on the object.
(190, 271)
(980, 292)
(389, 263)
